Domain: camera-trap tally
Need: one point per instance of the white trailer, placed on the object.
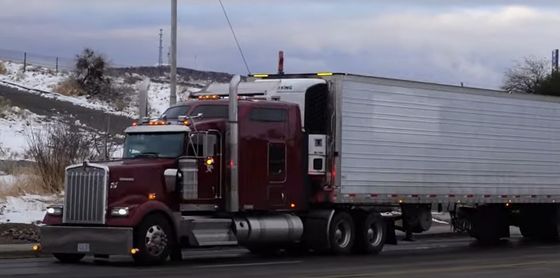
(490, 158)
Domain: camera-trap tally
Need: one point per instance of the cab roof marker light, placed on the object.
(260, 75)
(324, 74)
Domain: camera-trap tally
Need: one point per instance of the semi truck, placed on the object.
(315, 162)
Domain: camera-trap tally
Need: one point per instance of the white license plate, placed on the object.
(83, 247)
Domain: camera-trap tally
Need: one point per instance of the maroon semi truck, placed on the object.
(312, 161)
(174, 189)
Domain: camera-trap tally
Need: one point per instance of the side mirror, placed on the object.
(172, 176)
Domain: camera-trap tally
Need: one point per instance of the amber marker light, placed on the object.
(292, 205)
(209, 160)
(152, 196)
(134, 251)
(36, 248)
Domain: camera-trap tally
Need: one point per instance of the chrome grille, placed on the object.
(85, 197)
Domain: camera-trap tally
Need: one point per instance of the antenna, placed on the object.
(160, 58)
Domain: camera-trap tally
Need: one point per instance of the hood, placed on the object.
(136, 178)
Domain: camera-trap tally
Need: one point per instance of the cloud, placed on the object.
(443, 41)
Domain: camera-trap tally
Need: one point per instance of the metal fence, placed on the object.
(29, 58)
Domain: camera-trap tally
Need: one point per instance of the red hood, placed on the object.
(131, 180)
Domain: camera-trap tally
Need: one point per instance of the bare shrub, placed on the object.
(3, 69)
(26, 181)
(69, 87)
(55, 148)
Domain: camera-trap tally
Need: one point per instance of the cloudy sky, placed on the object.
(448, 41)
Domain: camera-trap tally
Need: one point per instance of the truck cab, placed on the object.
(170, 188)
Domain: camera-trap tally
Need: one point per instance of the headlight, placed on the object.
(54, 211)
(122, 211)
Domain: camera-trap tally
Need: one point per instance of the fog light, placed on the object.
(54, 210)
(119, 211)
(36, 248)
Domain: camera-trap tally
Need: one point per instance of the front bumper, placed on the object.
(86, 240)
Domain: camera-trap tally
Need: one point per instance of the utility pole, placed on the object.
(173, 74)
(160, 58)
(555, 61)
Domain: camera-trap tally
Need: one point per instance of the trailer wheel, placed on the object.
(68, 258)
(370, 234)
(550, 220)
(153, 238)
(341, 233)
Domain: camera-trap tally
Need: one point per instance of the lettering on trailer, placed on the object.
(286, 88)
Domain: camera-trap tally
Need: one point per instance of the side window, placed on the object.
(202, 145)
(269, 115)
(277, 162)
(211, 111)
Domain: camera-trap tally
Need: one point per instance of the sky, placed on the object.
(444, 41)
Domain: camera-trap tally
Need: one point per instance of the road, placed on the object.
(452, 256)
(51, 107)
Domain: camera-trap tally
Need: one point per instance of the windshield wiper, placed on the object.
(147, 154)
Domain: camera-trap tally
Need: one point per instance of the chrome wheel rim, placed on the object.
(342, 234)
(374, 234)
(155, 240)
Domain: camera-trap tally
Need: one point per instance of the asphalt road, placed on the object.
(456, 256)
(51, 107)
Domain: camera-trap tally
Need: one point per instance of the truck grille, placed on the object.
(85, 197)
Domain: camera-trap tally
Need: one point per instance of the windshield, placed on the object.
(167, 145)
(175, 112)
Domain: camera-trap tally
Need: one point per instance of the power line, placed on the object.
(235, 37)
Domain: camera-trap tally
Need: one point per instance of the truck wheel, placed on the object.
(68, 258)
(550, 220)
(370, 234)
(341, 233)
(152, 237)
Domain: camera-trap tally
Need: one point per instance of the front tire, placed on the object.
(153, 237)
(341, 234)
(68, 258)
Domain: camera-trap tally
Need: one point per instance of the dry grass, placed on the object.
(27, 181)
(3, 69)
(69, 87)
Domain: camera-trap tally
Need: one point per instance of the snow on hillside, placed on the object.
(46, 80)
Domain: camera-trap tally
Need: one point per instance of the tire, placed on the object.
(370, 234)
(154, 238)
(68, 258)
(341, 234)
(550, 219)
(529, 222)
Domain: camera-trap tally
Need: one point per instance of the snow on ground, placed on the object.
(27, 208)
(14, 128)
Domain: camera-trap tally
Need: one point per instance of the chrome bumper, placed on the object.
(86, 240)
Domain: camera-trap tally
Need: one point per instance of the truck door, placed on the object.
(277, 174)
(205, 148)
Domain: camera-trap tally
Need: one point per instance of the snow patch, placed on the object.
(26, 209)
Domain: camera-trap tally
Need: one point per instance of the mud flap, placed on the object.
(316, 229)
(391, 237)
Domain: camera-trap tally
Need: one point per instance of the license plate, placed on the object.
(83, 247)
